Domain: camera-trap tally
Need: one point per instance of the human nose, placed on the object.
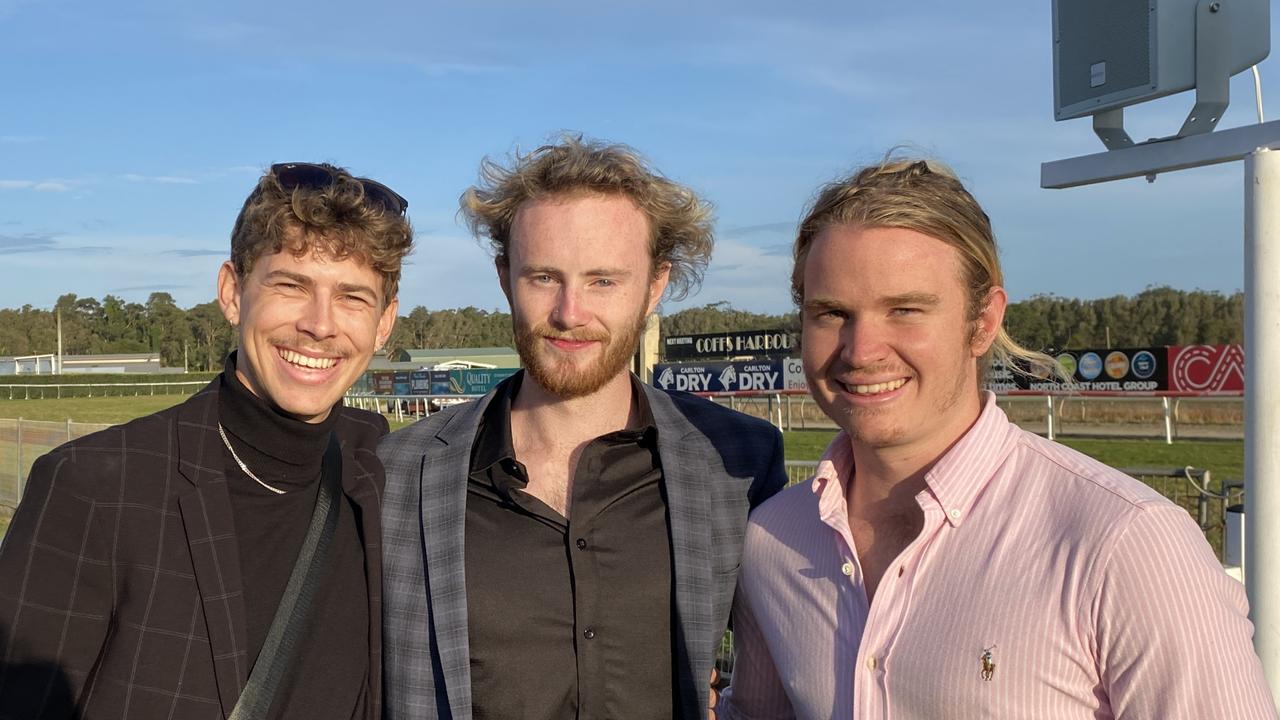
(317, 318)
(569, 310)
(862, 344)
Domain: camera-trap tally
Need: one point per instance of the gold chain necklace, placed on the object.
(223, 434)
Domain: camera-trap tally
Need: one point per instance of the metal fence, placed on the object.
(1166, 418)
(21, 442)
(53, 391)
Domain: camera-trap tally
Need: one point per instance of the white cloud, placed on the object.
(163, 179)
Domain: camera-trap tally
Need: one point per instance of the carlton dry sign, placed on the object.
(1191, 369)
(741, 376)
(710, 346)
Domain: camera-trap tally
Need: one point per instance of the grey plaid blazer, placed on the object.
(120, 587)
(717, 464)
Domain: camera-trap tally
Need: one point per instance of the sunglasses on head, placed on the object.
(310, 175)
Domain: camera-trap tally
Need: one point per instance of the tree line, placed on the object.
(199, 337)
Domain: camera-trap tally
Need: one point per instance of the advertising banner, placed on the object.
(477, 382)
(401, 383)
(383, 382)
(1140, 370)
(420, 382)
(711, 346)
(793, 376)
(1192, 369)
(439, 382)
(721, 377)
(1207, 369)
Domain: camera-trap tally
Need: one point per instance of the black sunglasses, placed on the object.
(293, 175)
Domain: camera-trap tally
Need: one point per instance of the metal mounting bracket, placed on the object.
(1108, 125)
(1213, 77)
(1213, 82)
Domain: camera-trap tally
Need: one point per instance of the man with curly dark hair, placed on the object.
(601, 518)
(221, 558)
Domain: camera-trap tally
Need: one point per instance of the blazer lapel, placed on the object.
(684, 464)
(210, 531)
(445, 466)
(363, 487)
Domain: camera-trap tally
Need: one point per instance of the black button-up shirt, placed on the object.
(569, 617)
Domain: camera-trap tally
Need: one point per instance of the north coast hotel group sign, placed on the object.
(764, 362)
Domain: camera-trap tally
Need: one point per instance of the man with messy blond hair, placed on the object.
(601, 518)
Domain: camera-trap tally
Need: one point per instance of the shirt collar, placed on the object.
(493, 438)
(961, 474)
(955, 480)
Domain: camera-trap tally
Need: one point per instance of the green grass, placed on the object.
(806, 444)
(108, 410)
(1225, 458)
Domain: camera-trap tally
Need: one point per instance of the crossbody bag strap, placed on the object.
(295, 604)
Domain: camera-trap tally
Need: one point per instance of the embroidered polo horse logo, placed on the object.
(988, 663)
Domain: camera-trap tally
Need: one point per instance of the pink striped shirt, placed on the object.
(1093, 595)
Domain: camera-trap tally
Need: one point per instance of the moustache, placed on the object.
(544, 330)
(308, 346)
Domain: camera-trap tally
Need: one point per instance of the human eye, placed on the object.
(827, 315)
(906, 311)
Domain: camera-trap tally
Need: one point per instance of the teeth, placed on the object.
(307, 362)
(878, 387)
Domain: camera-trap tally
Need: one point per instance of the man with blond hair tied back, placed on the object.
(942, 562)
(220, 559)
(567, 545)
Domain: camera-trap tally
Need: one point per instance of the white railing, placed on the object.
(405, 407)
(53, 391)
(1167, 418)
(22, 441)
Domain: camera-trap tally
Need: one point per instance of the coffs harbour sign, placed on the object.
(711, 346)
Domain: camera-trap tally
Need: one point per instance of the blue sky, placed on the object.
(131, 132)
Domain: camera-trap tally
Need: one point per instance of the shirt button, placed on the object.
(582, 544)
(588, 634)
(847, 568)
(871, 662)
(955, 514)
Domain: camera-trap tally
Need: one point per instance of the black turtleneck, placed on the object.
(329, 674)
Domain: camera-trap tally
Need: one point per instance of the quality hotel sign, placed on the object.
(752, 343)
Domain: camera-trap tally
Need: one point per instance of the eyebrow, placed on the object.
(820, 304)
(912, 298)
(308, 282)
(594, 272)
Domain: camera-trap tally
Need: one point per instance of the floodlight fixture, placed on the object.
(1108, 54)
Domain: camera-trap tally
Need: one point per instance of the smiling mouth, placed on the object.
(874, 388)
(306, 361)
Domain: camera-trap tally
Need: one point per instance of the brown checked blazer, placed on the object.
(120, 586)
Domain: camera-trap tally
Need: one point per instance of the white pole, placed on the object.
(1262, 405)
(1049, 414)
(1168, 422)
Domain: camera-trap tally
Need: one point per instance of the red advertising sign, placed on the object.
(1206, 369)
